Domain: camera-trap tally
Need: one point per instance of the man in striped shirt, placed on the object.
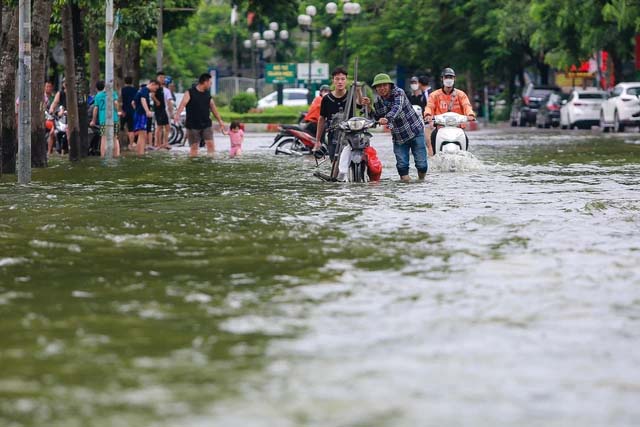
(392, 108)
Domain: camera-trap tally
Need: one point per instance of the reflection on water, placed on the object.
(244, 292)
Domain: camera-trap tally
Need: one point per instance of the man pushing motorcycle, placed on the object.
(447, 99)
(392, 108)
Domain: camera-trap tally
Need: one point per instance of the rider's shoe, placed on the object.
(405, 178)
(421, 175)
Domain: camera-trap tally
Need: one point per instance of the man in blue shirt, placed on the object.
(143, 114)
(392, 108)
(100, 115)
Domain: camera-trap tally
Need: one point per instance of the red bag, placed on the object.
(374, 165)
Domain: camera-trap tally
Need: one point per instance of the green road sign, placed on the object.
(280, 73)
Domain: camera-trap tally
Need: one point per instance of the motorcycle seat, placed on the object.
(294, 127)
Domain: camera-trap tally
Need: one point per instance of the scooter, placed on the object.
(293, 140)
(354, 156)
(358, 161)
(450, 138)
(176, 134)
(61, 144)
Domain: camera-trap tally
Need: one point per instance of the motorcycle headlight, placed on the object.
(451, 121)
(356, 123)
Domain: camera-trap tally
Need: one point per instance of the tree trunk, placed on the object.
(8, 69)
(471, 92)
(133, 60)
(72, 100)
(39, 50)
(543, 69)
(82, 85)
(94, 60)
(118, 61)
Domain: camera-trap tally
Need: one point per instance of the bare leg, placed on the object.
(158, 136)
(211, 147)
(103, 146)
(165, 136)
(142, 140)
(193, 149)
(132, 140)
(50, 141)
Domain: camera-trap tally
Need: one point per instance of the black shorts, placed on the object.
(162, 119)
(128, 120)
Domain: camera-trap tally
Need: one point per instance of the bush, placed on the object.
(261, 118)
(220, 101)
(243, 102)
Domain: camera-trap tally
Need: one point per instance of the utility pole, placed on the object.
(24, 90)
(108, 77)
(234, 20)
(160, 36)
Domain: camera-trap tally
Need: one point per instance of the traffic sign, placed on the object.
(280, 73)
(319, 71)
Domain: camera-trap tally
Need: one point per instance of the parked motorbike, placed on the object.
(94, 140)
(293, 140)
(176, 134)
(451, 137)
(61, 145)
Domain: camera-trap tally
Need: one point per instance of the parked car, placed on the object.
(549, 112)
(290, 96)
(525, 107)
(582, 109)
(619, 109)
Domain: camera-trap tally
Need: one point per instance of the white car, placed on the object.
(582, 109)
(619, 109)
(290, 96)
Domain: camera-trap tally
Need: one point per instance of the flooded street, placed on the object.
(246, 293)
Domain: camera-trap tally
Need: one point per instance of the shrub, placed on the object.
(243, 102)
(220, 101)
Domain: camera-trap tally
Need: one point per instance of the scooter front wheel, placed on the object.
(357, 172)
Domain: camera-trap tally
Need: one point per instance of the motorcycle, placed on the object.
(293, 140)
(358, 161)
(176, 134)
(450, 138)
(355, 162)
(61, 144)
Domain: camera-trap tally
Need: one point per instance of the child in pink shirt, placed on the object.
(236, 135)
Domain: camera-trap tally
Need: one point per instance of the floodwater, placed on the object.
(244, 292)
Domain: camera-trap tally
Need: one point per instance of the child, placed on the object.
(236, 135)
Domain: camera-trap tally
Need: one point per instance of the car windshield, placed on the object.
(591, 96)
(633, 91)
(540, 93)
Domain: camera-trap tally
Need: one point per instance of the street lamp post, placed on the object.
(306, 24)
(271, 38)
(255, 44)
(350, 10)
